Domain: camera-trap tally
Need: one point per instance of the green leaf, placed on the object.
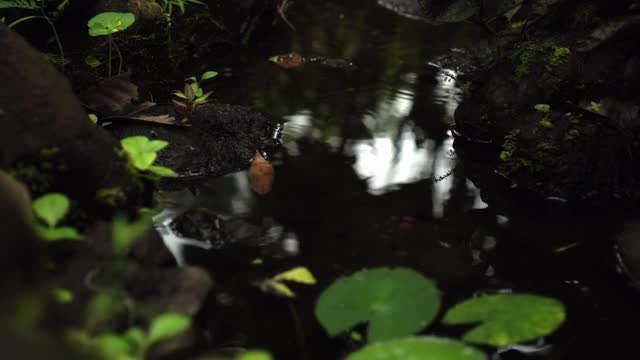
(114, 346)
(143, 152)
(59, 233)
(108, 23)
(209, 75)
(167, 325)
(299, 274)
(93, 118)
(507, 318)
(51, 208)
(255, 355)
(135, 336)
(422, 348)
(124, 234)
(19, 4)
(63, 296)
(162, 171)
(197, 91)
(191, 78)
(544, 108)
(92, 61)
(180, 94)
(396, 303)
(203, 98)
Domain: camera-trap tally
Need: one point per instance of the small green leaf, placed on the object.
(507, 318)
(93, 118)
(114, 346)
(135, 336)
(197, 91)
(162, 171)
(203, 98)
(63, 296)
(544, 108)
(51, 208)
(191, 78)
(58, 233)
(108, 23)
(209, 75)
(255, 355)
(422, 348)
(300, 275)
(124, 234)
(180, 94)
(142, 151)
(396, 303)
(92, 61)
(166, 326)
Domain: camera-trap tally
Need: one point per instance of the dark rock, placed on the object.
(47, 140)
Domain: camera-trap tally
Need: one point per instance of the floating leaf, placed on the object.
(288, 61)
(261, 175)
(166, 326)
(396, 303)
(299, 274)
(507, 318)
(108, 23)
(255, 355)
(422, 348)
(51, 208)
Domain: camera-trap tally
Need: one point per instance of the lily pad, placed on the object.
(396, 303)
(507, 318)
(108, 23)
(423, 348)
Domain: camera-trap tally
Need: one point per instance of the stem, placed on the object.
(299, 330)
(55, 35)
(24, 19)
(119, 57)
(110, 41)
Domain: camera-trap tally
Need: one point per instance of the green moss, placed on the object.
(572, 134)
(545, 108)
(112, 197)
(546, 122)
(509, 146)
(546, 55)
(39, 172)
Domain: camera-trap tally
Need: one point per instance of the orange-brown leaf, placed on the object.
(288, 61)
(261, 175)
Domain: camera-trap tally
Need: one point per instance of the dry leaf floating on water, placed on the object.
(261, 175)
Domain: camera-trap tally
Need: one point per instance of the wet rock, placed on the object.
(47, 140)
(222, 139)
(564, 123)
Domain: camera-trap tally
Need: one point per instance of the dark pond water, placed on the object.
(355, 187)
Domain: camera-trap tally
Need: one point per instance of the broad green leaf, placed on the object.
(198, 92)
(204, 97)
(299, 274)
(255, 355)
(162, 171)
(419, 348)
(114, 346)
(93, 118)
(179, 94)
(155, 145)
(59, 233)
(142, 161)
(108, 23)
(51, 208)
(142, 151)
(124, 234)
(396, 303)
(507, 318)
(167, 325)
(209, 75)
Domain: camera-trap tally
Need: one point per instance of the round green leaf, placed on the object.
(51, 208)
(396, 303)
(108, 23)
(419, 348)
(255, 355)
(114, 345)
(507, 318)
(167, 325)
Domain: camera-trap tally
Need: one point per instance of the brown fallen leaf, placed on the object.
(112, 96)
(261, 175)
(160, 119)
(288, 61)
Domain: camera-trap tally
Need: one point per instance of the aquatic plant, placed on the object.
(107, 24)
(193, 94)
(144, 152)
(276, 285)
(51, 209)
(44, 15)
(168, 5)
